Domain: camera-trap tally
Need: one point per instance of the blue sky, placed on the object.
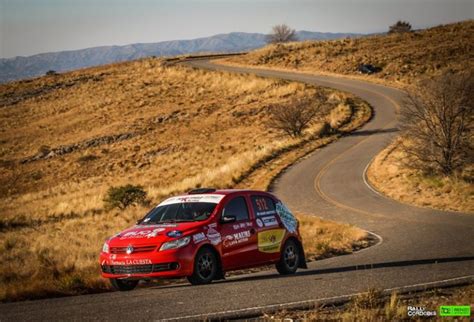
(35, 26)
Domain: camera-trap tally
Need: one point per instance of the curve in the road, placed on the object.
(421, 246)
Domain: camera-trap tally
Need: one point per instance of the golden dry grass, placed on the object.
(371, 306)
(403, 57)
(390, 175)
(325, 238)
(189, 128)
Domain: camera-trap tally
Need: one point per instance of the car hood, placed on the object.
(151, 234)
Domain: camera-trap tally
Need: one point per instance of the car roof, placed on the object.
(232, 191)
(224, 192)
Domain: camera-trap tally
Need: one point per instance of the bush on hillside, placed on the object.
(293, 118)
(400, 27)
(280, 34)
(438, 124)
(124, 196)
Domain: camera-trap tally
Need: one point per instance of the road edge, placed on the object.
(255, 312)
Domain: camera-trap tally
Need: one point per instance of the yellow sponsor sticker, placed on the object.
(269, 241)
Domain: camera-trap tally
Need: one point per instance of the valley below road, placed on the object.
(418, 247)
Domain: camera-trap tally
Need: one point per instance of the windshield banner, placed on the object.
(193, 198)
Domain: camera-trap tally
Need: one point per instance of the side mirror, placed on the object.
(226, 219)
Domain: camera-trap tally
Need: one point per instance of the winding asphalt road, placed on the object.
(418, 246)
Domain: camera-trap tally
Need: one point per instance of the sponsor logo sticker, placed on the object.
(199, 237)
(142, 234)
(212, 198)
(270, 221)
(269, 241)
(286, 217)
(213, 235)
(259, 222)
(236, 238)
(144, 261)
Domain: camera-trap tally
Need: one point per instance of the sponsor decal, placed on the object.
(199, 237)
(174, 234)
(287, 218)
(236, 227)
(144, 261)
(259, 223)
(242, 225)
(269, 241)
(142, 233)
(237, 238)
(270, 221)
(212, 198)
(266, 213)
(213, 235)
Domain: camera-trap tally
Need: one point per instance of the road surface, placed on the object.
(418, 246)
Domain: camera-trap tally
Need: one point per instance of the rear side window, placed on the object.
(263, 206)
(237, 207)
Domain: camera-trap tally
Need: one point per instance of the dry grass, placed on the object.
(188, 129)
(390, 175)
(371, 306)
(403, 57)
(324, 238)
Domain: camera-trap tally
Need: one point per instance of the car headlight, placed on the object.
(176, 243)
(106, 248)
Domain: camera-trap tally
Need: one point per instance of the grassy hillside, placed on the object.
(65, 139)
(401, 57)
(390, 175)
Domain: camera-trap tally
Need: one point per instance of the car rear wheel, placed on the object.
(289, 258)
(123, 285)
(205, 267)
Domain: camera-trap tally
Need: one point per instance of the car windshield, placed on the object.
(179, 212)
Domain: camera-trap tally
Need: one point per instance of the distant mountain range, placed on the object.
(36, 65)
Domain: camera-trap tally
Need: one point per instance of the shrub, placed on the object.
(86, 158)
(399, 27)
(281, 33)
(293, 118)
(123, 196)
(438, 123)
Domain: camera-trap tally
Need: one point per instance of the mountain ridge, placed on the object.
(21, 67)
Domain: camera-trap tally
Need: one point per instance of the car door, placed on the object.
(270, 231)
(239, 239)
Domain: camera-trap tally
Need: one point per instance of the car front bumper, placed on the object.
(171, 263)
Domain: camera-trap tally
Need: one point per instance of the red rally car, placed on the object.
(201, 236)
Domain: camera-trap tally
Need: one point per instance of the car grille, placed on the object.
(139, 269)
(136, 249)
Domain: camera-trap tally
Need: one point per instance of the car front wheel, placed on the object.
(289, 258)
(205, 267)
(123, 285)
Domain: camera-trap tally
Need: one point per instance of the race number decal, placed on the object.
(287, 218)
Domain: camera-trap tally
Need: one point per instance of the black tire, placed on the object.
(205, 267)
(289, 258)
(123, 285)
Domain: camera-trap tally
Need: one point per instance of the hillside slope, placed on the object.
(66, 139)
(401, 57)
(23, 67)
